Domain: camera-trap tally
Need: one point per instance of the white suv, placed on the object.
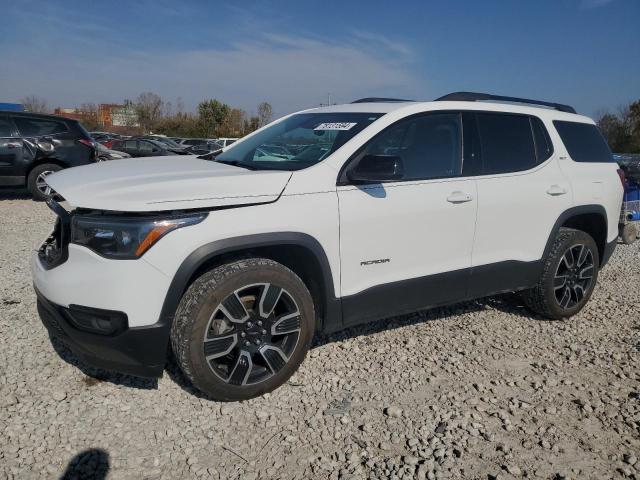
(380, 207)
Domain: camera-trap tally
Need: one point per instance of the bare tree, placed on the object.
(265, 113)
(179, 105)
(35, 104)
(148, 107)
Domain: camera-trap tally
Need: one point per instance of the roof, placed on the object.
(414, 107)
(41, 115)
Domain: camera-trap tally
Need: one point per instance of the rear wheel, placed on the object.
(37, 184)
(242, 329)
(568, 278)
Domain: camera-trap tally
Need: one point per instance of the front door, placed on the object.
(407, 245)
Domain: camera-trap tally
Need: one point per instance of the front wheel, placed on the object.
(568, 278)
(243, 328)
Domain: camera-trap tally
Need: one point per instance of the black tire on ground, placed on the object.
(557, 294)
(629, 233)
(249, 281)
(32, 180)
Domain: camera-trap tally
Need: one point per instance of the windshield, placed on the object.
(298, 142)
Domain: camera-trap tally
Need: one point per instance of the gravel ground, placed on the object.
(477, 390)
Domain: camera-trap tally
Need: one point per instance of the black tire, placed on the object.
(628, 233)
(549, 297)
(38, 194)
(251, 367)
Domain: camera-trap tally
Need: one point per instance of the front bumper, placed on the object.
(139, 351)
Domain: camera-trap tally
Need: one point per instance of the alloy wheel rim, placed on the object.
(252, 334)
(41, 183)
(574, 276)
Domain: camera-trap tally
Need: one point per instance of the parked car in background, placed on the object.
(106, 139)
(106, 154)
(225, 142)
(166, 141)
(189, 142)
(34, 145)
(142, 147)
(204, 148)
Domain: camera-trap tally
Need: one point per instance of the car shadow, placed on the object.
(510, 303)
(91, 463)
(14, 194)
(507, 303)
(96, 375)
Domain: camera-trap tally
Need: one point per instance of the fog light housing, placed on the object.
(95, 320)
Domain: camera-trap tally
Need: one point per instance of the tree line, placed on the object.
(149, 112)
(622, 129)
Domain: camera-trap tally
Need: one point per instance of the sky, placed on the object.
(298, 54)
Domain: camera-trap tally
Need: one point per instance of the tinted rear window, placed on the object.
(35, 127)
(584, 142)
(506, 142)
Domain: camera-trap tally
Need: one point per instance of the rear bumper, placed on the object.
(608, 251)
(139, 351)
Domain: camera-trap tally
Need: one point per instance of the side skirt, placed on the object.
(416, 294)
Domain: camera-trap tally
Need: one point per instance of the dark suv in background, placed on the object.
(34, 145)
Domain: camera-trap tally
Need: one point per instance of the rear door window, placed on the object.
(506, 142)
(584, 142)
(37, 127)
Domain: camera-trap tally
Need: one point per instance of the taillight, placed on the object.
(86, 142)
(621, 175)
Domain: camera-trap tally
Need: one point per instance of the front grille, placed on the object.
(55, 249)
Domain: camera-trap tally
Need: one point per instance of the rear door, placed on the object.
(406, 245)
(521, 194)
(12, 168)
(148, 149)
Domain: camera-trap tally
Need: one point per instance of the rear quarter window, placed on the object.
(584, 142)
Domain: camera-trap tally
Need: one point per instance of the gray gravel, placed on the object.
(477, 390)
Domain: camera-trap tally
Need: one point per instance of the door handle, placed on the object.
(13, 145)
(459, 197)
(555, 190)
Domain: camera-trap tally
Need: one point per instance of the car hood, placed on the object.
(165, 183)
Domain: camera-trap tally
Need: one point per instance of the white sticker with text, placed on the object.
(335, 126)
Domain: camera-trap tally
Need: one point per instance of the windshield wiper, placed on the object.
(238, 163)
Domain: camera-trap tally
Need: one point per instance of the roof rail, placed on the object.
(475, 97)
(379, 100)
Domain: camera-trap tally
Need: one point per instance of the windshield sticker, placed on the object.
(335, 126)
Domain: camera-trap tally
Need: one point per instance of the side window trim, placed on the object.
(533, 120)
(342, 175)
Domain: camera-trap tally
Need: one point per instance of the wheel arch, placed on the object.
(591, 219)
(299, 252)
(43, 161)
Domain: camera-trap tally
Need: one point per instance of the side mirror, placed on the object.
(376, 169)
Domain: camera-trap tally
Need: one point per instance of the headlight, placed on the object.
(125, 237)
